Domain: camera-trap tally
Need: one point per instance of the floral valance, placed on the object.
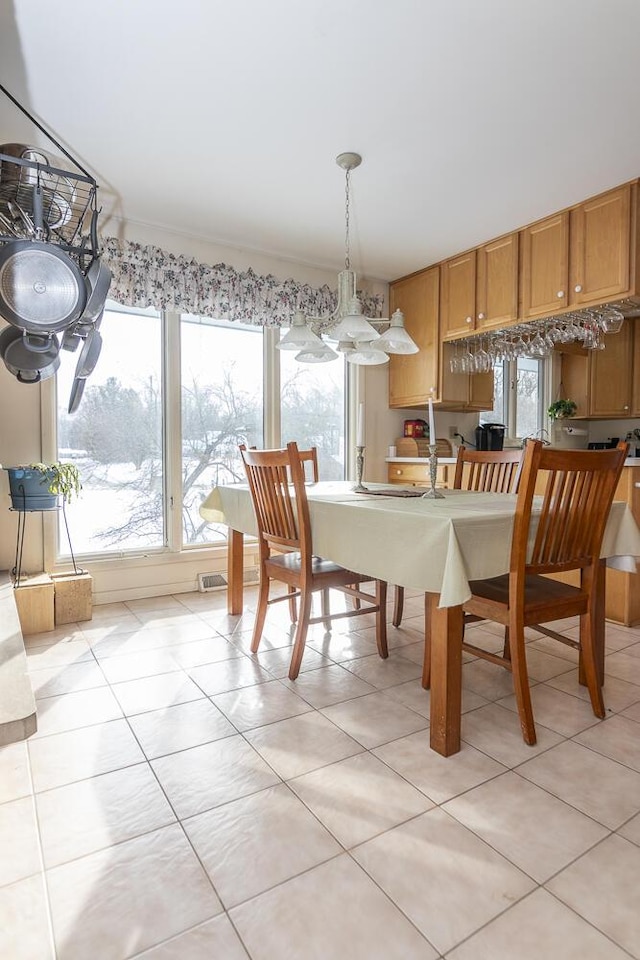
(146, 276)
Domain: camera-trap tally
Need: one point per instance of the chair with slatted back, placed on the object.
(492, 471)
(276, 482)
(310, 456)
(562, 532)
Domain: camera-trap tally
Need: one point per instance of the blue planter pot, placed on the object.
(29, 489)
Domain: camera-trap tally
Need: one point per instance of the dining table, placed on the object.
(434, 546)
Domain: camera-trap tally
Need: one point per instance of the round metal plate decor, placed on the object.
(40, 287)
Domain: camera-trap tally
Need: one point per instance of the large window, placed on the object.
(519, 397)
(163, 414)
(222, 406)
(115, 438)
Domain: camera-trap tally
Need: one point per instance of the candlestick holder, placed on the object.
(360, 487)
(433, 494)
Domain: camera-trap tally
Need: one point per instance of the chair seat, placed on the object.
(289, 566)
(539, 594)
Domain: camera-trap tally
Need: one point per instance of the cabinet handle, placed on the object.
(626, 406)
(468, 320)
(481, 316)
(398, 473)
(577, 288)
(560, 294)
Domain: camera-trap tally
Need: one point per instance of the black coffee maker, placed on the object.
(490, 436)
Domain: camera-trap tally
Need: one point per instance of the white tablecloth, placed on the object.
(435, 546)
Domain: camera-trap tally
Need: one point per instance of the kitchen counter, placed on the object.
(629, 462)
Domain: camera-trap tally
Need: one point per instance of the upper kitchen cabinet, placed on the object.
(479, 289)
(635, 395)
(601, 243)
(601, 381)
(580, 257)
(458, 295)
(544, 275)
(414, 377)
(497, 283)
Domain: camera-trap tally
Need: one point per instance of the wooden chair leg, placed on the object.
(381, 618)
(590, 664)
(426, 662)
(521, 681)
(293, 606)
(506, 649)
(398, 606)
(301, 634)
(261, 613)
(326, 610)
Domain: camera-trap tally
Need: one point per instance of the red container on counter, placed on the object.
(416, 428)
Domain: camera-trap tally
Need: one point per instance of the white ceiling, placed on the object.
(222, 118)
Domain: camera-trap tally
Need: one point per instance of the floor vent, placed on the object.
(211, 581)
(218, 581)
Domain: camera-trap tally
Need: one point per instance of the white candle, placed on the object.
(360, 431)
(432, 426)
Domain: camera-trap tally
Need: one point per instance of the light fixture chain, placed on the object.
(347, 260)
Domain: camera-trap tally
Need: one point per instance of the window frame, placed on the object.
(173, 549)
(510, 399)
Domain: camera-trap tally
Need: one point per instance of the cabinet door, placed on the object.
(412, 377)
(610, 377)
(497, 283)
(635, 398)
(481, 391)
(458, 295)
(600, 247)
(545, 266)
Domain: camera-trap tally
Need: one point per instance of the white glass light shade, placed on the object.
(298, 335)
(314, 353)
(367, 354)
(354, 325)
(396, 339)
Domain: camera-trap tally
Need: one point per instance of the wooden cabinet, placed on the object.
(622, 597)
(601, 381)
(635, 376)
(458, 295)
(415, 377)
(544, 276)
(600, 252)
(417, 474)
(497, 283)
(479, 289)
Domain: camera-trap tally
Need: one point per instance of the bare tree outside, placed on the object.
(116, 436)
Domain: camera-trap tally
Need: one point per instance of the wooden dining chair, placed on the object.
(310, 456)
(491, 471)
(277, 486)
(577, 489)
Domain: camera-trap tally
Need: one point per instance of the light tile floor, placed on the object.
(183, 800)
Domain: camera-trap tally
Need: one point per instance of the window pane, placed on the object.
(115, 437)
(312, 409)
(222, 406)
(528, 392)
(498, 414)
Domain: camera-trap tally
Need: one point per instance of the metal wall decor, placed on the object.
(52, 280)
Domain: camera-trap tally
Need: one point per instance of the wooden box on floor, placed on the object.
(34, 601)
(72, 597)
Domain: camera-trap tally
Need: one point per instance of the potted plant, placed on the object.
(562, 409)
(40, 485)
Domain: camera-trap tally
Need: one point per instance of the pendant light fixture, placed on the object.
(356, 334)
